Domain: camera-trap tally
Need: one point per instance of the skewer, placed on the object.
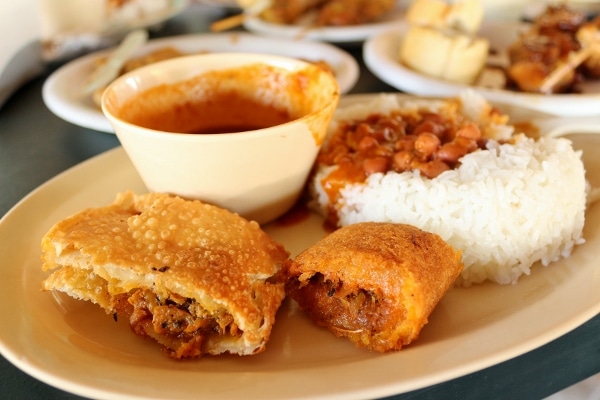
(575, 59)
(249, 7)
(228, 23)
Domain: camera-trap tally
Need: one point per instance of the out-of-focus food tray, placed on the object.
(305, 28)
(381, 56)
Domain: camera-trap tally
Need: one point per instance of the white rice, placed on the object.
(506, 207)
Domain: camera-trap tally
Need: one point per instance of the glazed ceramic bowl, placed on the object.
(240, 131)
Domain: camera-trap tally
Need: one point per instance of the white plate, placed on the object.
(333, 34)
(61, 91)
(125, 24)
(381, 57)
(52, 338)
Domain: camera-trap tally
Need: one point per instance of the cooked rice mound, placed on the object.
(506, 206)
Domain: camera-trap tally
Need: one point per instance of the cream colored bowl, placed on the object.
(257, 173)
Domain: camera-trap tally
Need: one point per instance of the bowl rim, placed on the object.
(253, 58)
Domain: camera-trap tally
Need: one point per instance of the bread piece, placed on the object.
(196, 278)
(466, 59)
(445, 55)
(425, 50)
(441, 40)
(374, 283)
(430, 13)
(463, 16)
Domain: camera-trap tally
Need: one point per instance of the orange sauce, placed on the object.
(235, 100)
(217, 113)
(528, 128)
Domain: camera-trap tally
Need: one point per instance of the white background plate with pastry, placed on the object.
(62, 90)
(381, 55)
(305, 28)
(51, 337)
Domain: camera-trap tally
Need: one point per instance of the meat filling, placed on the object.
(178, 324)
(348, 309)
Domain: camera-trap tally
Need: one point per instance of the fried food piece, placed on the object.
(589, 37)
(545, 47)
(288, 11)
(559, 17)
(196, 278)
(328, 12)
(535, 55)
(530, 76)
(353, 12)
(374, 283)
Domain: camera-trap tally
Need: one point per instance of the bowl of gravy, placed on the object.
(238, 130)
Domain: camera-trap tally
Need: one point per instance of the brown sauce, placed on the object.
(218, 113)
(297, 214)
(234, 100)
(229, 129)
(528, 128)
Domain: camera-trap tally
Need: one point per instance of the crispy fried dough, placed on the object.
(374, 283)
(196, 278)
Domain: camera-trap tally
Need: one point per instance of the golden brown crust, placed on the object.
(374, 283)
(174, 248)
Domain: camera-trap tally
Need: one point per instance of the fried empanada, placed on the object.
(196, 278)
(374, 283)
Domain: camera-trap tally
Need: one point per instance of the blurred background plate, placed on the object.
(333, 34)
(36, 32)
(20, 52)
(73, 27)
(61, 91)
(381, 56)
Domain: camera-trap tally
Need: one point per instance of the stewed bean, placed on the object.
(431, 169)
(433, 117)
(401, 160)
(429, 126)
(406, 142)
(427, 142)
(469, 144)
(366, 143)
(374, 165)
(469, 131)
(451, 152)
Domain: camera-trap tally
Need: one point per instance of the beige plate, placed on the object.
(76, 347)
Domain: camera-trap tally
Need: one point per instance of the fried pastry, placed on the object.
(373, 283)
(196, 278)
